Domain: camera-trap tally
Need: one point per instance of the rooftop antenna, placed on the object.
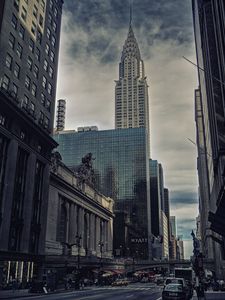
(131, 11)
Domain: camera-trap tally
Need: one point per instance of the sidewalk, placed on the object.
(10, 294)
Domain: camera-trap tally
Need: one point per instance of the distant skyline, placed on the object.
(93, 34)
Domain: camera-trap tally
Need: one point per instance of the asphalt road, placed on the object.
(136, 291)
(131, 292)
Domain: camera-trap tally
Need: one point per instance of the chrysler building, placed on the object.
(131, 91)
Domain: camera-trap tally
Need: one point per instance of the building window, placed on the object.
(27, 82)
(41, 20)
(34, 89)
(52, 56)
(29, 63)
(14, 90)
(11, 41)
(50, 18)
(16, 225)
(54, 26)
(14, 21)
(17, 70)
(39, 36)
(38, 54)
(55, 12)
(44, 82)
(49, 88)
(36, 71)
(25, 102)
(16, 4)
(45, 65)
(47, 48)
(53, 41)
(32, 108)
(8, 61)
(51, 73)
(46, 122)
(42, 5)
(35, 11)
(48, 33)
(33, 28)
(24, 14)
(51, 4)
(62, 231)
(31, 45)
(19, 50)
(43, 99)
(41, 118)
(5, 82)
(48, 105)
(21, 32)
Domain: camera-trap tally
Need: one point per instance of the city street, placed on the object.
(134, 292)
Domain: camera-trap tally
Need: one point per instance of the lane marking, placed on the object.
(129, 296)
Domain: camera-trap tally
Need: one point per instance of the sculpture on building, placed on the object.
(56, 158)
(85, 171)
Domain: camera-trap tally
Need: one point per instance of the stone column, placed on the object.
(110, 236)
(88, 232)
(81, 225)
(72, 223)
(98, 237)
(92, 231)
(8, 193)
(44, 208)
(28, 202)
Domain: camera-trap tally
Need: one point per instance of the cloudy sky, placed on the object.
(93, 34)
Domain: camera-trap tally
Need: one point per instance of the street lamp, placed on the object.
(101, 245)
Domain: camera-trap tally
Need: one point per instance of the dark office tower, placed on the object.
(121, 168)
(161, 185)
(29, 44)
(156, 215)
(131, 91)
(29, 47)
(209, 24)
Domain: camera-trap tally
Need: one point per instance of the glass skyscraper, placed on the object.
(121, 168)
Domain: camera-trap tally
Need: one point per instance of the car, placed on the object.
(175, 280)
(120, 282)
(186, 286)
(174, 291)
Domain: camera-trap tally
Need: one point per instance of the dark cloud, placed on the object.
(183, 198)
(155, 20)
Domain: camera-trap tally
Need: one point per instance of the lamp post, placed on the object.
(101, 245)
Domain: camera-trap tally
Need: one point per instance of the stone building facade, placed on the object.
(80, 223)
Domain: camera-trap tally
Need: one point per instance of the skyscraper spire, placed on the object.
(131, 11)
(131, 91)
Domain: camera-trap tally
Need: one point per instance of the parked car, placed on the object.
(120, 282)
(174, 291)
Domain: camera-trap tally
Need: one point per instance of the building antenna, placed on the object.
(131, 11)
(201, 148)
(197, 66)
